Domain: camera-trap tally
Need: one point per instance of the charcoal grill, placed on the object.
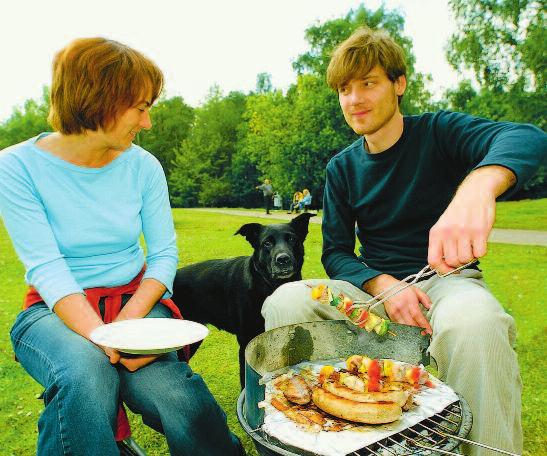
(275, 350)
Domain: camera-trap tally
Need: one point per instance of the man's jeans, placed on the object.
(82, 393)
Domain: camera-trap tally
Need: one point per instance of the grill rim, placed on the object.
(260, 437)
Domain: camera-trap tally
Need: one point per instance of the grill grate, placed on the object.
(428, 437)
(432, 436)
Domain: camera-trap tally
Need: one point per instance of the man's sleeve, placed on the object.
(473, 142)
(338, 228)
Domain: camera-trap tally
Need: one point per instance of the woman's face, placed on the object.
(128, 125)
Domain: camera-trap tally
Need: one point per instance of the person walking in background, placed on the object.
(420, 190)
(75, 203)
(267, 191)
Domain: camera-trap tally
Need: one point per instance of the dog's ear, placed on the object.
(251, 231)
(301, 223)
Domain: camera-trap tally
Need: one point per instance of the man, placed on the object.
(267, 191)
(421, 189)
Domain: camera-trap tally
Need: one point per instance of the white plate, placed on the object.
(149, 335)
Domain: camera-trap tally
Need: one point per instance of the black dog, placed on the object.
(229, 293)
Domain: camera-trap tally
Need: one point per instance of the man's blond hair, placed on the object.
(360, 53)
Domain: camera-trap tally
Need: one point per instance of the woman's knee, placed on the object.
(94, 379)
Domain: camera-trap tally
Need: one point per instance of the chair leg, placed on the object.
(129, 447)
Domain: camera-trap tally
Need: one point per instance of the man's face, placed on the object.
(370, 102)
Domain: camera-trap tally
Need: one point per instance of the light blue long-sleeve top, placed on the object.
(75, 227)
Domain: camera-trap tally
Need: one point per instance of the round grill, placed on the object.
(434, 435)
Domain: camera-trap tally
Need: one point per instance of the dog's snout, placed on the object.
(283, 259)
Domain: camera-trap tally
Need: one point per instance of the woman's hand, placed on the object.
(404, 307)
(135, 363)
(113, 354)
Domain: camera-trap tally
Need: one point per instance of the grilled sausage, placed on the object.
(399, 397)
(361, 412)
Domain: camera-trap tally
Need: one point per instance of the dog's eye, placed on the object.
(291, 238)
(268, 243)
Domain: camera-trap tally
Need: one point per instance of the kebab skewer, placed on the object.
(359, 316)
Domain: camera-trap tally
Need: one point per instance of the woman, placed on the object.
(297, 197)
(305, 201)
(75, 203)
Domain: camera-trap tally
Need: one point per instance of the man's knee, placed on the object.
(286, 304)
(474, 326)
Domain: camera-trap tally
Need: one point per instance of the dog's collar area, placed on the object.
(266, 279)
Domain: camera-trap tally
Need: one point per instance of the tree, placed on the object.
(264, 83)
(502, 42)
(201, 173)
(171, 122)
(26, 122)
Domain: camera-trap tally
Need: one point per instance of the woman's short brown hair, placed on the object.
(360, 53)
(95, 80)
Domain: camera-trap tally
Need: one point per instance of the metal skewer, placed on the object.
(471, 442)
(403, 284)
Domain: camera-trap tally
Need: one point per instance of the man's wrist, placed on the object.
(378, 284)
(489, 181)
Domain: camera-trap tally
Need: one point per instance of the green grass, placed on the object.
(516, 275)
(522, 215)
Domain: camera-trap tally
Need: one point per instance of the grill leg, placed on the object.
(129, 447)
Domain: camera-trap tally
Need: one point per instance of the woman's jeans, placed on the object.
(83, 390)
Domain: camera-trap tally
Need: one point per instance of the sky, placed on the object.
(199, 43)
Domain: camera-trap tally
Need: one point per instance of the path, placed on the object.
(499, 235)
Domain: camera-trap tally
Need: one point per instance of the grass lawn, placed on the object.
(522, 215)
(516, 275)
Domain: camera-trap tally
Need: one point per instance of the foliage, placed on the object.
(503, 43)
(26, 122)
(202, 164)
(171, 123)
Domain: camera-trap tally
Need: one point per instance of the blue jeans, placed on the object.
(82, 390)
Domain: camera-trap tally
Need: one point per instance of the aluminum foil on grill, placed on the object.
(427, 402)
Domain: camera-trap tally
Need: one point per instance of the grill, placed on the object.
(275, 350)
(438, 434)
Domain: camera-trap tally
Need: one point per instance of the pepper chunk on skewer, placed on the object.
(357, 315)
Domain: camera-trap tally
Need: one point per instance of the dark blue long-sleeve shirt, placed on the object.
(396, 196)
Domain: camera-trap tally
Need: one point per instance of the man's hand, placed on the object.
(404, 307)
(135, 363)
(461, 233)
